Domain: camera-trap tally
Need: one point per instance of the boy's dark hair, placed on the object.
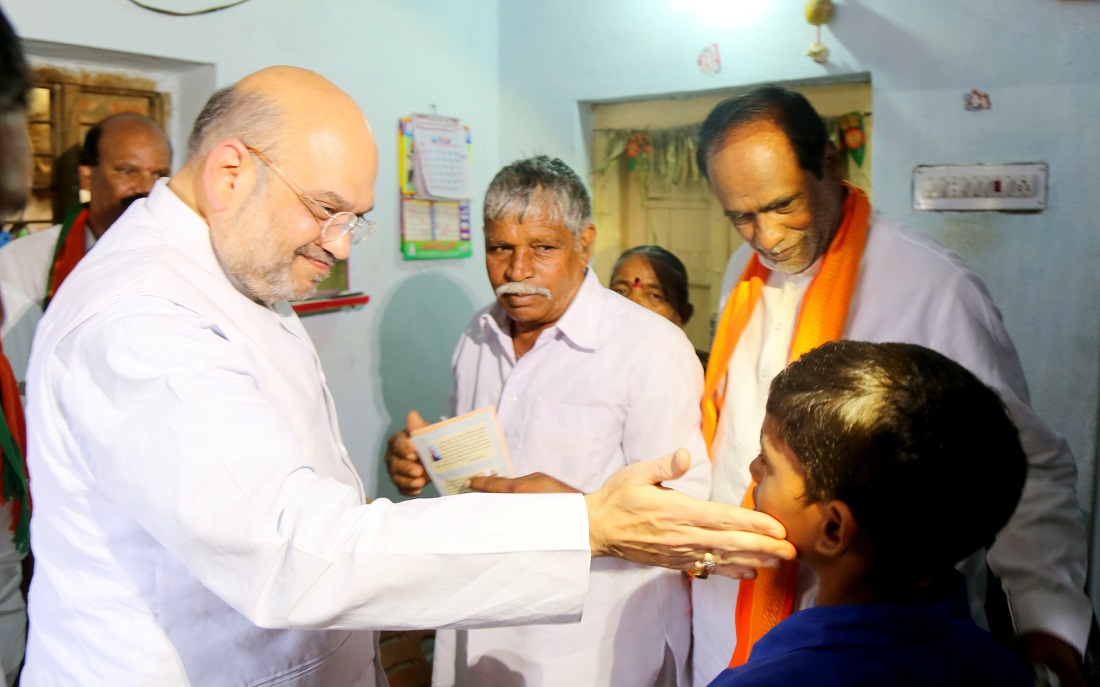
(923, 452)
(790, 111)
(670, 272)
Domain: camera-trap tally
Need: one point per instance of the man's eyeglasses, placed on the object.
(338, 223)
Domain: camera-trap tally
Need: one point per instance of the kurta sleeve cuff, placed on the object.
(1066, 616)
(476, 560)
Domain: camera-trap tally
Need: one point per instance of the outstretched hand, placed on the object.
(404, 464)
(634, 518)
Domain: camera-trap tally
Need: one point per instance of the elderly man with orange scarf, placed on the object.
(819, 264)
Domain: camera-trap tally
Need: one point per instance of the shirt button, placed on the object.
(513, 399)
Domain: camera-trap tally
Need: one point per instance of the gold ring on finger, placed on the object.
(704, 568)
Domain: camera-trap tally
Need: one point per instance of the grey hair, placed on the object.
(516, 188)
(231, 113)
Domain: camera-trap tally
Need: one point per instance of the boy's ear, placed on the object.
(837, 531)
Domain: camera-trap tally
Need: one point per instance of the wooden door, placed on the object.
(688, 221)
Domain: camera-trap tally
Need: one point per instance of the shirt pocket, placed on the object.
(580, 445)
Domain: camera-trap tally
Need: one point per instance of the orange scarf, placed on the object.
(763, 602)
(13, 444)
(68, 252)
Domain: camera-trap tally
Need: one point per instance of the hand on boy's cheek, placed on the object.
(1040, 648)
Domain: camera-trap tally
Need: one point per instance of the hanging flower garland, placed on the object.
(852, 137)
(638, 150)
(667, 153)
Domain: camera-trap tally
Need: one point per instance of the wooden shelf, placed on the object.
(342, 301)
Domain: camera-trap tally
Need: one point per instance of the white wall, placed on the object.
(1036, 59)
(394, 59)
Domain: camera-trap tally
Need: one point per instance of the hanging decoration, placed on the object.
(639, 151)
(852, 136)
(710, 61)
(976, 101)
(668, 154)
(818, 13)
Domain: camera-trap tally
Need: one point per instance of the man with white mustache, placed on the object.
(584, 382)
(519, 288)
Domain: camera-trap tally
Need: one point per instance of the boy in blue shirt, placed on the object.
(887, 464)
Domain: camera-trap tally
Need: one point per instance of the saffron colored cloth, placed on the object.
(198, 520)
(610, 383)
(910, 289)
(70, 249)
(915, 644)
(764, 601)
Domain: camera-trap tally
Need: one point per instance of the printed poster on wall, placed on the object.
(434, 226)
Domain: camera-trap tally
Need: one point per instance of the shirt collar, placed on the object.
(581, 321)
(188, 227)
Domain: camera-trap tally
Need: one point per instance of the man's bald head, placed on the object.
(121, 124)
(275, 106)
(122, 157)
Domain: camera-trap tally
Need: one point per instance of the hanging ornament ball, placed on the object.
(818, 53)
(819, 12)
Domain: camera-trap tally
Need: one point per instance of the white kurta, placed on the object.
(910, 289)
(24, 271)
(192, 494)
(610, 384)
(24, 275)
